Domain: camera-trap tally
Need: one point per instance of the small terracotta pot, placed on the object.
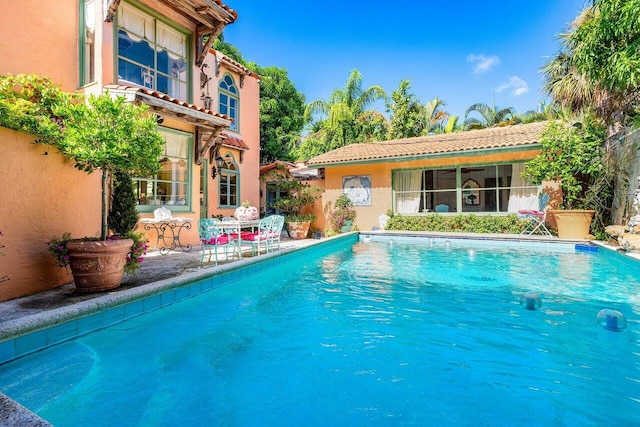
(298, 230)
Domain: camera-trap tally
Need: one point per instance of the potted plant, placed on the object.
(342, 216)
(298, 198)
(574, 156)
(103, 134)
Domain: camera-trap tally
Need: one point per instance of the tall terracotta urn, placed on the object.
(98, 265)
(573, 223)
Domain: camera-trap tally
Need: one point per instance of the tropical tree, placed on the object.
(281, 107)
(281, 114)
(598, 67)
(604, 45)
(406, 112)
(489, 116)
(434, 116)
(544, 112)
(342, 116)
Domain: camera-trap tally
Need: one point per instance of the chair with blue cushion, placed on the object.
(213, 237)
(442, 207)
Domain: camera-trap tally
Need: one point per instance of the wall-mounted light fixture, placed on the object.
(219, 164)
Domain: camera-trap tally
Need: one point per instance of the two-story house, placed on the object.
(156, 52)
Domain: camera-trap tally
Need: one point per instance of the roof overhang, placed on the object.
(452, 154)
(209, 125)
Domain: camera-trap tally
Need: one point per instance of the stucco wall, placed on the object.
(381, 193)
(32, 39)
(42, 196)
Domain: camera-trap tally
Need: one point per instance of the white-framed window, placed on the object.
(229, 183)
(497, 188)
(171, 186)
(229, 99)
(151, 53)
(87, 40)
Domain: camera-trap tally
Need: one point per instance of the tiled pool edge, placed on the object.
(14, 414)
(27, 335)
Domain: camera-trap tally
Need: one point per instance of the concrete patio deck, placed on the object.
(155, 268)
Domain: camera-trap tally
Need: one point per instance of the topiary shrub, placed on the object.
(123, 215)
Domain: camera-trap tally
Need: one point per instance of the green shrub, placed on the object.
(509, 224)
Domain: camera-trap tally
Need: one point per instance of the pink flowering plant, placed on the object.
(343, 211)
(58, 248)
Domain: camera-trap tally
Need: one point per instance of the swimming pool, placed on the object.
(395, 331)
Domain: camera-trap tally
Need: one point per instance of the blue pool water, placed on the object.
(378, 333)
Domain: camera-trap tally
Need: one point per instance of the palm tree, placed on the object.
(434, 116)
(490, 117)
(571, 88)
(345, 111)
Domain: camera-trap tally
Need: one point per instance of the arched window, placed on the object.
(229, 99)
(229, 183)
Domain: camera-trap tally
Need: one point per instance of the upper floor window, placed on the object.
(171, 186)
(87, 41)
(229, 183)
(151, 53)
(229, 99)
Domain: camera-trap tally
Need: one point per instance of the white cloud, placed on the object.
(483, 63)
(518, 86)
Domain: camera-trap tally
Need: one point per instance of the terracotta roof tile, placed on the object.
(459, 142)
(165, 97)
(234, 141)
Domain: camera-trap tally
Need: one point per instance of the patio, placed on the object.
(155, 268)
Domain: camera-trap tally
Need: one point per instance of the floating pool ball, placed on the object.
(612, 320)
(531, 301)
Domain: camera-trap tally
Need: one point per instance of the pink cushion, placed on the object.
(221, 240)
(253, 237)
(530, 212)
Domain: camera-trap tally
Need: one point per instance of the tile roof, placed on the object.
(164, 97)
(234, 141)
(458, 142)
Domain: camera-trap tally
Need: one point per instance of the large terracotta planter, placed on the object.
(98, 265)
(573, 224)
(298, 230)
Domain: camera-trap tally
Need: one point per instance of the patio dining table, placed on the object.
(236, 226)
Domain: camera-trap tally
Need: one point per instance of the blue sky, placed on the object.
(464, 52)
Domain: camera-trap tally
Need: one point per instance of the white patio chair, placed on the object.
(275, 231)
(536, 218)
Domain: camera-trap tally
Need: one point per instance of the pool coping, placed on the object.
(56, 316)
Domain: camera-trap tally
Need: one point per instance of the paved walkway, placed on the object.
(155, 268)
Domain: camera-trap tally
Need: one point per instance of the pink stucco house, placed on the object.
(156, 52)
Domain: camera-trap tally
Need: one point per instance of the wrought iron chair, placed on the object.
(213, 236)
(261, 235)
(537, 218)
(275, 231)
